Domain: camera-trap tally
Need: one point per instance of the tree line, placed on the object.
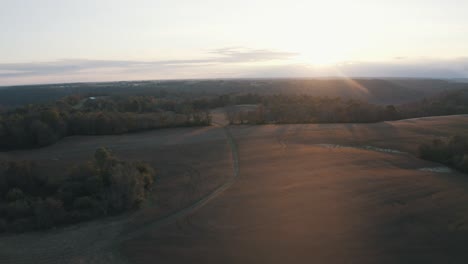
(44, 124)
(281, 109)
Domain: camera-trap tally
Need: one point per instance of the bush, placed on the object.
(452, 152)
(437, 151)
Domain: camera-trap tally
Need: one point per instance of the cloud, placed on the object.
(218, 56)
(246, 55)
(232, 62)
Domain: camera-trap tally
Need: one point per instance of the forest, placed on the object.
(32, 199)
(283, 109)
(40, 125)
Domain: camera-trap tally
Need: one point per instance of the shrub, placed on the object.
(452, 152)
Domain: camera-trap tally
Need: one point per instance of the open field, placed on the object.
(331, 193)
(191, 163)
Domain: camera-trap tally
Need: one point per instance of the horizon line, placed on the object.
(232, 78)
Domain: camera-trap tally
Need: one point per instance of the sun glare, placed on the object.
(324, 52)
(319, 59)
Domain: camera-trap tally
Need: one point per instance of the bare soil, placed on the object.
(330, 193)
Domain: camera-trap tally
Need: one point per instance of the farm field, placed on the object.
(234, 132)
(318, 193)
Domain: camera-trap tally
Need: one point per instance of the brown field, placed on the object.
(331, 193)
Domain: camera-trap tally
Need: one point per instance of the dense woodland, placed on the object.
(32, 199)
(282, 109)
(43, 124)
(452, 152)
(445, 103)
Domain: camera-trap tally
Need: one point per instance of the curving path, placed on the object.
(98, 241)
(197, 204)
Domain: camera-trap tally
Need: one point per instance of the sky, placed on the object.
(52, 41)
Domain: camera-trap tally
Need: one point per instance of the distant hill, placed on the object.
(380, 91)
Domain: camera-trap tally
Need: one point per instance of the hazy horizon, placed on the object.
(89, 41)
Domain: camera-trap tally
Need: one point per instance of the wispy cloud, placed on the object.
(218, 56)
(224, 63)
(233, 54)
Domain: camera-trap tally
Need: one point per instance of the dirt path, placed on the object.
(197, 204)
(319, 204)
(98, 241)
